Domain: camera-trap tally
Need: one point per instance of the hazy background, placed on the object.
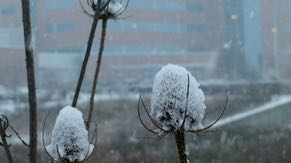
(240, 47)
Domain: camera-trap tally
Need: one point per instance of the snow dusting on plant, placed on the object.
(168, 102)
(115, 7)
(69, 136)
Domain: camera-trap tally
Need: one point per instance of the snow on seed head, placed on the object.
(69, 136)
(114, 7)
(168, 102)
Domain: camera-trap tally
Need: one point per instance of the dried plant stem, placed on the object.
(181, 146)
(86, 58)
(30, 81)
(99, 60)
(5, 144)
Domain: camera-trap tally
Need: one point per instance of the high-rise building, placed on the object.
(231, 39)
(153, 34)
(276, 38)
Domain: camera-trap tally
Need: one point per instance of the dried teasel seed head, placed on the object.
(168, 101)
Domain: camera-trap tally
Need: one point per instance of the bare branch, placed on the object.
(98, 65)
(86, 58)
(30, 81)
(19, 137)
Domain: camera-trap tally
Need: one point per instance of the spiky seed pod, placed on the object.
(69, 139)
(168, 102)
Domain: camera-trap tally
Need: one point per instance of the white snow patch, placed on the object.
(115, 7)
(69, 136)
(168, 100)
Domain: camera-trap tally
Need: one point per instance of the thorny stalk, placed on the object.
(30, 81)
(99, 60)
(180, 142)
(86, 58)
(100, 12)
(179, 134)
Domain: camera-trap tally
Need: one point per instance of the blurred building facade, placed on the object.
(222, 39)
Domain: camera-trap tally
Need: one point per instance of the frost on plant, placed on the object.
(69, 139)
(177, 106)
(106, 8)
(169, 98)
(115, 7)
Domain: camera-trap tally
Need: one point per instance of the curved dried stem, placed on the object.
(94, 137)
(4, 122)
(141, 121)
(18, 136)
(84, 10)
(209, 126)
(150, 117)
(87, 153)
(186, 107)
(3, 126)
(43, 138)
(58, 152)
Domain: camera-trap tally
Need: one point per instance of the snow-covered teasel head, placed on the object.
(69, 140)
(177, 103)
(106, 8)
(174, 88)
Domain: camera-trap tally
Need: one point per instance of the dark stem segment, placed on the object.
(30, 81)
(5, 145)
(99, 60)
(86, 58)
(180, 142)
